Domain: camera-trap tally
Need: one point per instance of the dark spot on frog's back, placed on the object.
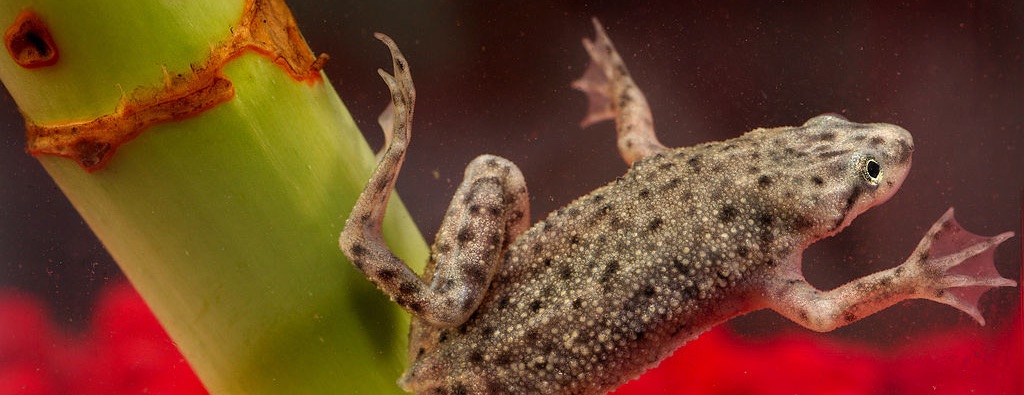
(465, 235)
(832, 154)
(655, 224)
(826, 136)
(565, 272)
(765, 236)
(672, 184)
(617, 223)
(764, 181)
(905, 149)
(801, 223)
(679, 266)
(475, 274)
(503, 358)
(609, 270)
(695, 164)
(477, 184)
(727, 213)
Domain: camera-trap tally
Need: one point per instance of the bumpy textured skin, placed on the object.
(612, 283)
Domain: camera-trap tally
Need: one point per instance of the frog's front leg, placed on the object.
(614, 95)
(950, 265)
(489, 210)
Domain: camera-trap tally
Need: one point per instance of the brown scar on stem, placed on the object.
(29, 42)
(266, 27)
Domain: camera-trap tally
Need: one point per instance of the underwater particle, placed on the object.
(29, 42)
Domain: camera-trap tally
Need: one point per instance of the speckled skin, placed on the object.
(612, 283)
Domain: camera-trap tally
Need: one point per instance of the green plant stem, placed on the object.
(227, 222)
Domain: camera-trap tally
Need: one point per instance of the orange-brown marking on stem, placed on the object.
(29, 42)
(267, 27)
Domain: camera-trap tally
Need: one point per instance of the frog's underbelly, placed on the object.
(542, 338)
(609, 285)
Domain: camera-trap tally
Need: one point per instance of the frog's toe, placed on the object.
(965, 263)
(403, 93)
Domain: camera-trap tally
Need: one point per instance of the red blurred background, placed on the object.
(125, 351)
(493, 77)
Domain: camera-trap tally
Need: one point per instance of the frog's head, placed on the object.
(840, 169)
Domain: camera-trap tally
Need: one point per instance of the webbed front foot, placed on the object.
(950, 266)
(955, 267)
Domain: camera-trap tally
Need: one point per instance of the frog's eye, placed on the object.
(871, 170)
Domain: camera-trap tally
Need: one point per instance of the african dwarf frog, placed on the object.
(608, 286)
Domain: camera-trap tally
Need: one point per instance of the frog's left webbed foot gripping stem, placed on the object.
(950, 265)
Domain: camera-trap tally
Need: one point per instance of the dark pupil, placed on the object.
(874, 169)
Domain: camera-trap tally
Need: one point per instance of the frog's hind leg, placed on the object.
(490, 209)
(614, 95)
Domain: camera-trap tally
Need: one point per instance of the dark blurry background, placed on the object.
(493, 77)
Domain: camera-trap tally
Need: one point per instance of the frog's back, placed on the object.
(618, 279)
